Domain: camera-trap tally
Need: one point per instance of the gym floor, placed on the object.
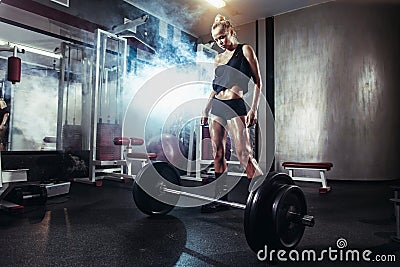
(101, 226)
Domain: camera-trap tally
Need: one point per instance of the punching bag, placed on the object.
(14, 69)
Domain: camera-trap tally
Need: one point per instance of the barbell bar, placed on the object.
(275, 213)
(295, 217)
(210, 199)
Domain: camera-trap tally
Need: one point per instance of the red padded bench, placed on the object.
(131, 156)
(322, 167)
(133, 141)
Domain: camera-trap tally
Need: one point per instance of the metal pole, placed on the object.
(60, 105)
(294, 217)
(186, 194)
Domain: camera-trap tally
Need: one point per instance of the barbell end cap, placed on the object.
(308, 220)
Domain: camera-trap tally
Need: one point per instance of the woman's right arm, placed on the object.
(204, 117)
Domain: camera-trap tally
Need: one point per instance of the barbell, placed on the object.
(275, 213)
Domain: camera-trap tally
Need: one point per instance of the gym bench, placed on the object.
(119, 169)
(322, 167)
(130, 156)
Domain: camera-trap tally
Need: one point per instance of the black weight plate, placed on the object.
(289, 198)
(258, 222)
(43, 195)
(28, 194)
(148, 199)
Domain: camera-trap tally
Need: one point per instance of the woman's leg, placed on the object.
(241, 137)
(218, 138)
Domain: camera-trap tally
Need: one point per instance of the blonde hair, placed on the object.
(223, 22)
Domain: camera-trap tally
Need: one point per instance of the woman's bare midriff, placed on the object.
(230, 93)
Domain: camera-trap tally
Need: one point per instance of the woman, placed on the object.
(4, 114)
(233, 70)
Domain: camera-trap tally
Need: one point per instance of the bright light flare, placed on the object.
(217, 3)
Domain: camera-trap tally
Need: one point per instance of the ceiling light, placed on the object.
(217, 3)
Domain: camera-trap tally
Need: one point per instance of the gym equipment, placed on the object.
(105, 147)
(7, 180)
(107, 107)
(144, 200)
(26, 194)
(396, 202)
(124, 141)
(72, 137)
(14, 65)
(169, 149)
(69, 117)
(322, 167)
(275, 212)
(14, 69)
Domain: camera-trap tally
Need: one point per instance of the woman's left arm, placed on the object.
(251, 57)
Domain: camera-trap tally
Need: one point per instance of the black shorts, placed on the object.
(229, 109)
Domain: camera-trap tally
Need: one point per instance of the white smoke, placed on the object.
(34, 111)
(181, 53)
(180, 15)
(35, 98)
